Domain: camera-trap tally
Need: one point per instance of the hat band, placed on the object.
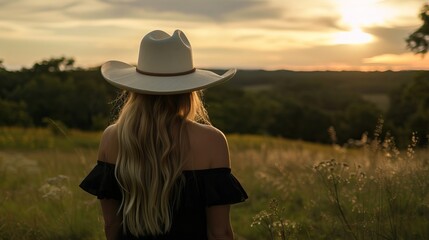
(165, 74)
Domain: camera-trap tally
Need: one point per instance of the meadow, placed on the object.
(368, 189)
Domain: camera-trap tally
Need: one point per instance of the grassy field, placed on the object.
(297, 190)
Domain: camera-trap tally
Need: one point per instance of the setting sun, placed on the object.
(355, 36)
(357, 15)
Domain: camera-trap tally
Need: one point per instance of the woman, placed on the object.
(163, 172)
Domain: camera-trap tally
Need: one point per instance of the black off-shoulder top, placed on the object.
(202, 189)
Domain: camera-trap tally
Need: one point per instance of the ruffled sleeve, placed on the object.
(221, 187)
(101, 182)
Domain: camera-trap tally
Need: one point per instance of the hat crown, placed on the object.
(161, 53)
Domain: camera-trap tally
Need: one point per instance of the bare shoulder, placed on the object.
(206, 131)
(210, 144)
(108, 148)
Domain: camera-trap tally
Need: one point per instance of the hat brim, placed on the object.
(125, 76)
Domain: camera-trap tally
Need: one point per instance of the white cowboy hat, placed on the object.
(164, 67)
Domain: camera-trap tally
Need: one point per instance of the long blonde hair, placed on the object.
(153, 144)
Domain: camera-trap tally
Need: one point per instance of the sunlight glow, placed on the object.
(362, 13)
(272, 34)
(355, 36)
(357, 15)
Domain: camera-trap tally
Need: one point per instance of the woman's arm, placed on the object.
(112, 222)
(218, 223)
(107, 152)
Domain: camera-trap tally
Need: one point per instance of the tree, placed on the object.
(358, 117)
(418, 41)
(14, 114)
(409, 110)
(53, 65)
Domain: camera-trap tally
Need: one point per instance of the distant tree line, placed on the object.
(55, 89)
(80, 98)
(306, 111)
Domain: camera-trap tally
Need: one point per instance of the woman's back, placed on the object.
(209, 187)
(208, 147)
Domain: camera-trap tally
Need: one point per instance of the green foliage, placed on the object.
(296, 112)
(274, 223)
(297, 105)
(14, 113)
(53, 65)
(357, 119)
(374, 192)
(55, 137)
(57, 128)
(418, 41)
(2, 68)
(47, 96)
(380, 191)
(55, 89)
(46, 205)
(409, 111)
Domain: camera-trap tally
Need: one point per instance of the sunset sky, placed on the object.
(250, 34)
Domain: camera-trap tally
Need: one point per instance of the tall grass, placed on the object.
(371, 191)
(297, 190)
(39, 175)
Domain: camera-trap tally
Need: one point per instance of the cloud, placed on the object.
(242, 33)
(267, 13)
(399, 61)
(392, 58)
(194, 7)
(322, 54)
(316, 24)
(5, 29)
(403, 13)
(4, 3)
(203, 10)
(258, 11)
(389, 40)
(402, 1)
(26, 11)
